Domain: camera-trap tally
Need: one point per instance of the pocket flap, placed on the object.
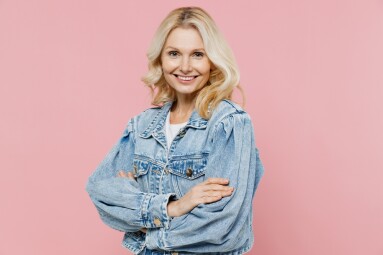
(141, 167)
(189, 167)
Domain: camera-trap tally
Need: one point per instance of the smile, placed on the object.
(185, 78)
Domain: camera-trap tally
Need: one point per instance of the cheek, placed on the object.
(168, 66)
(204, 68)
(165, 67)
(168, 77)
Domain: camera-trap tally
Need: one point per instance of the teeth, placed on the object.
(186, 78)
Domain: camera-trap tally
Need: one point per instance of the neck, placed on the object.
(182, 109)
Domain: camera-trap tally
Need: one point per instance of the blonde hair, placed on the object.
(223, 78)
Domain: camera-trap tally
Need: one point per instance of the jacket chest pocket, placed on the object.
(187, 171)
(142, 169)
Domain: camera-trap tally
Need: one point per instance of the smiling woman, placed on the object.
(182, 177)
(187, 34)
(185, 66)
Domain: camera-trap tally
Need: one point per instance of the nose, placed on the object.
(185, 65)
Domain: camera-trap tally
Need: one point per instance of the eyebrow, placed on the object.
(201, 49)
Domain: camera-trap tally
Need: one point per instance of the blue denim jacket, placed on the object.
(223, 146)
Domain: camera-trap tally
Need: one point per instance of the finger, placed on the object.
(214, 196)
(130, 175)
(120, 174)
(208, 200)
(217, 194)
(227, 193)
(217, 187)
(123, 174)
(217, 180)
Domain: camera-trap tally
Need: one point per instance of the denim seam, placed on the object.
(144, 210)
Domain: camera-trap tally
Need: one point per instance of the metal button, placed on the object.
(166, 171)
(157, 222)
(189, 172)
(174, 253)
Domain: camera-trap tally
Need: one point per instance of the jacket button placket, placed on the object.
(165, 178)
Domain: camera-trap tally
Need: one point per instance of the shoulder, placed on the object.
(226, 103)
(229, 116)
(227, 109)
(142, 119)
(149, 112)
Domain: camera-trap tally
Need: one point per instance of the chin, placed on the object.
(185, 92)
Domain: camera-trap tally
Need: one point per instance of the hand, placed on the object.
(209, 191)
(128, 175)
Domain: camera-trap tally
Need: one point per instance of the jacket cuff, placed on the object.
(153, 239)
(154, 210)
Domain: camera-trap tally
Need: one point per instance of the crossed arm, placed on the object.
(209, 191)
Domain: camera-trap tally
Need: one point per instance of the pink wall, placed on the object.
(312, 70)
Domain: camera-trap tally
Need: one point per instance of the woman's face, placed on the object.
(185, 64)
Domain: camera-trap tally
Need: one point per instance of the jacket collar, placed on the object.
(158, 122)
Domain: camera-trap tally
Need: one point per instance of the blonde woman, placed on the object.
(182, 177)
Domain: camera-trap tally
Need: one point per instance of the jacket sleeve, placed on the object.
(119, 201)
(216, 227)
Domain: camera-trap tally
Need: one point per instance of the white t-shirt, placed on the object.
(172, 130)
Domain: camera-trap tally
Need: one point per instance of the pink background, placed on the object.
(312, 70)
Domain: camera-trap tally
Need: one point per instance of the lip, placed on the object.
(183, 81)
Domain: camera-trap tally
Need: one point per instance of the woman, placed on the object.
(182, 177)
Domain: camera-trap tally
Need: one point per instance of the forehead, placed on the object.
(184, 39)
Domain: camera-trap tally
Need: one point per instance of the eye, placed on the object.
(172, 53)
(198, 54)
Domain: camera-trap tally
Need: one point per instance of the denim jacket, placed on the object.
(223, 146)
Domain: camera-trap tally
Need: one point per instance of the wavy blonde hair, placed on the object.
(223, 78)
